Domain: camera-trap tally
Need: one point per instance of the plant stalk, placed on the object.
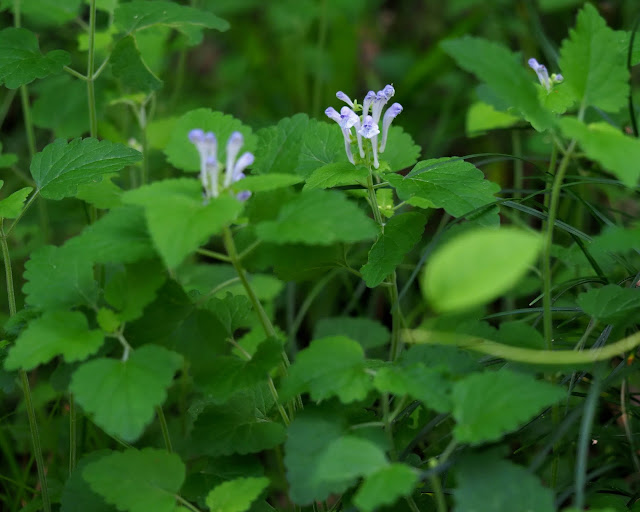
(91, 94)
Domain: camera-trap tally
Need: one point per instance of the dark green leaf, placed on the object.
(279, 146)
(128, 66)
(338, 174)
(348, 458)
(322, 144)
(367, 332)
(401, 151)
(385, 486)
(77, 495)
(230, 310)
(611, 304)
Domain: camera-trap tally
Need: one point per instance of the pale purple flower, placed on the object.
(541, 71)
(343, 97)
(368, 99)
(346, 119)
(389, 116)
(234, 144)
(370, 130)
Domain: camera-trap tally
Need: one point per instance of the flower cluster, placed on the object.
(367, 125)
(543, 75)
(207, 146)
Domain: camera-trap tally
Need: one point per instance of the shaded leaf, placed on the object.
(77, 495)
(401, 151)
(367, 332)
(611, 304)
(128, 66)
(279, 146)
(348, 458)
(236, 495)
(322, 144)
(385, 486)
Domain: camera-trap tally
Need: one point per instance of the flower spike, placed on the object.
(389, 116)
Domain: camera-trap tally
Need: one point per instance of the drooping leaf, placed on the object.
(178, 220)
(367, 332)
(11, 207)
(322, 144)
(478, 266)
(236, 495)
(616, 152)
(138, 15)
(593, 64)
(318, 218)
(514, 399)
(338, 174)
(263, 183)
(611, 304)
(121, 394)
(21, 61)
(450, 183)
(137, 480)
(504, 73)
(385, 486)
(332, 366)
(128, 66)
(64, 333)
(60, 167)
(400, 234)
(182, 154)
(510, 487)
(279, 146)
(59, 278)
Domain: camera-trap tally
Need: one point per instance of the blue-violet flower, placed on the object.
(543, 75)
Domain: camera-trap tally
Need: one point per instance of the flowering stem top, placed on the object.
(543, 75)
(367, 126)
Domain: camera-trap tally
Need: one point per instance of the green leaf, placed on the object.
(122, 395)
(21, 61)
(338, 174)
(7, 159)
(279, 146)
(318, 218)
(401, 151)
(49, 12)
(182, 154)
(488, 405)
(11, 207)
(77, 495)
(59, 278)
(178, 220)
(367, 332)
(64, 333)
(139, 14)
(504, 74)
(450, 183)
(60, 167)
(400, 234)
(348, 458)
(235, 427)
(592, 63)
(104, 195)
(616, 152)
(128, 66)
(120, 236)
(263, 183)
(138, 481)
(333, 366)
(385, 486)
(322, 144)
(611, 304)
(428, 385)
(510, 487)
(236, 495)
(478, 266)
(482, 117)
(232, 310)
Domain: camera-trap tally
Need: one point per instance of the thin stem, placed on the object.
(164, 428)
(24, 210)
(436, 485)
(91, 94)
(584, 441)
(388, 426)
(101, 67)
(72, 433)
(8, 271)
(214, 255)
(73, 72)
(249, 250)
(187, 504)
(28, 123)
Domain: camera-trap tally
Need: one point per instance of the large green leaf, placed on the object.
(616, 152)
(182, 154)
(278, 146)
(504, 73)
(450, 183)
(21, 61)
(11, 206)
(338, 174)
(611, 304)
(178, 220)
(127, 65)
(236, 495)
(385, 486)
(318, 217)
(59, 278)
(60, 167)
(478, 266)
(508, 488)
(139, 14)
(121, 394)
(322, 144)
(488, 405)
(400, 234)
(333, 366)
(593, 63)
(64, 333)
(138, 481)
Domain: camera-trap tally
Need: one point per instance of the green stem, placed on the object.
(73, 417)
(164, 428)
(24, 210)
(436, 485)
(28, 123)
(93, 118)
(186, 503)
(584, 442)
(388, 426)
(73, 72)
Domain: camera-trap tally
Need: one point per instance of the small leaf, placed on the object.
(279, 146)
(318, 218)
(232, 310)
(21, 61)
(592, 63)
(367, 332)
(64, 333)
(11, 207)
(611, 304)
(138, 481)
(236, 495)
(60, 167)
(385, 486)
(178, 220)
(331, 366)
(400, 234)
(128, 66)
(263, 183)
(348, 458)
(122, 395)
(488, 405)
(478, 266)
(338, 174)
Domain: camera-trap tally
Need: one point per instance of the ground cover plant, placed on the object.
(256, 261)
